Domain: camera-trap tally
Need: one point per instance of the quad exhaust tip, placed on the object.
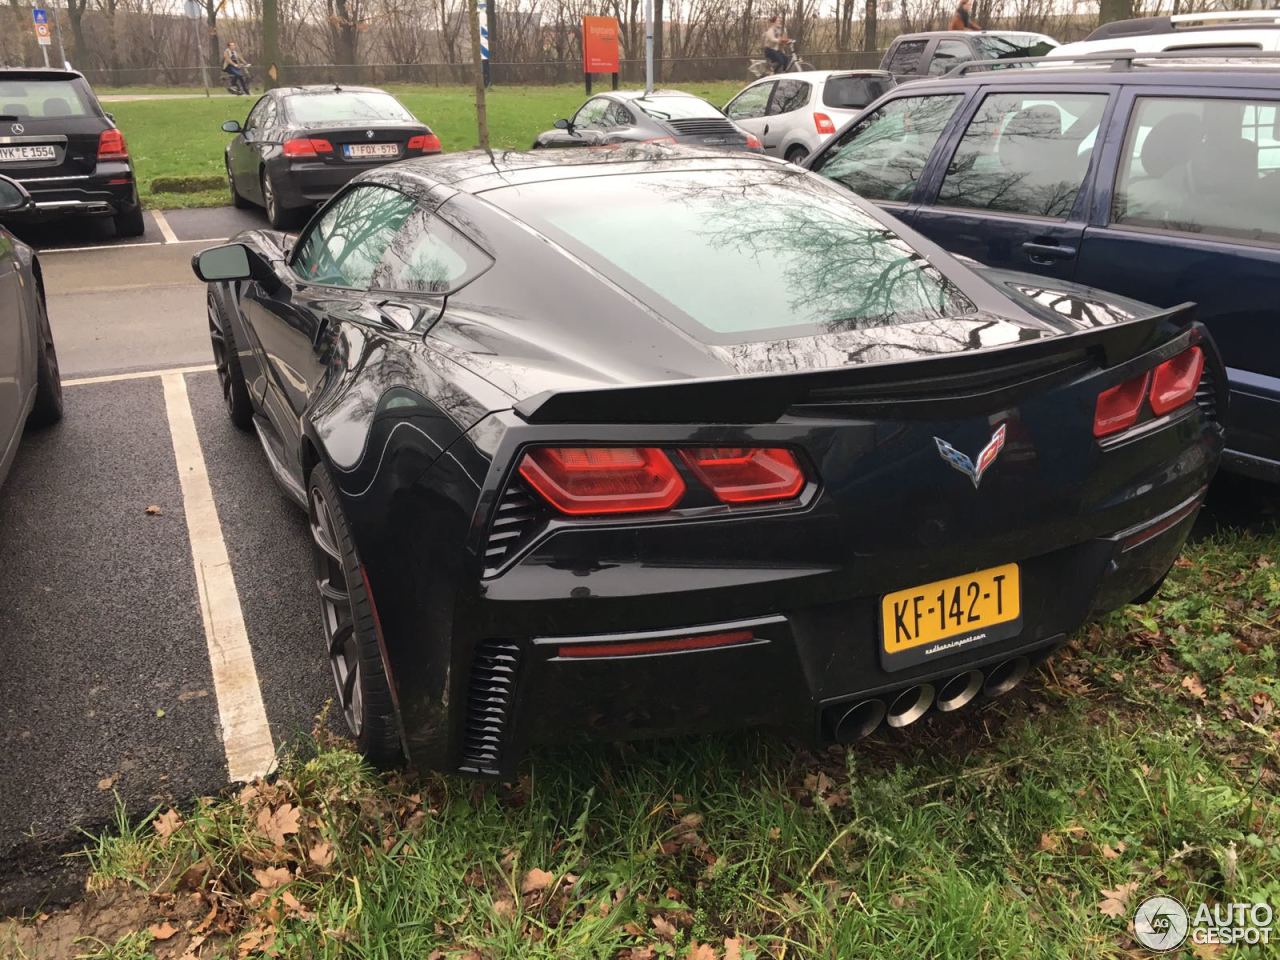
(859, 721)
(1005, 676)
(959, 690)
(910, 705)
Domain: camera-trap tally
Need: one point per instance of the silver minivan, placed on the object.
(794, 114)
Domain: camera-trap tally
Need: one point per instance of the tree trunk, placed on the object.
(1110, 10)
(869, 33)
(75, 12)
(213, 54)
(270, 72)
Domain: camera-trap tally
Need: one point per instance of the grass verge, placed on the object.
(1143, 759)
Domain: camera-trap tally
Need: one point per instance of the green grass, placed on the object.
(178, 138)
(1145, 753)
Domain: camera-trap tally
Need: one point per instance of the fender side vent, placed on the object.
(1207, 395)
(516, 520)
(489, 702)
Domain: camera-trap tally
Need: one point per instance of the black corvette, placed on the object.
(744, 450)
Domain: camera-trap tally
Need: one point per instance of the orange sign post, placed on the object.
(599, 48)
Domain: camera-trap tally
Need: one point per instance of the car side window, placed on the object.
(947, 54)
(428, 255)
(905, 57)
(253, 121)
(618, 116)
(344, 246)
(267, 122)
(591, 115)
(1201, 165)
(1025, 154)
(883, 155)
(751, 103)
(788, 95)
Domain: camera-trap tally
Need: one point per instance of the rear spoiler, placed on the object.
(764, 397)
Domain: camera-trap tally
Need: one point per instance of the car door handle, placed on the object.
(1038, 252)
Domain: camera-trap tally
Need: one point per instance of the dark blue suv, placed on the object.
(1151, 177)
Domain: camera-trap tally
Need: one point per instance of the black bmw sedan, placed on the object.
(300, 145)
(745, 451)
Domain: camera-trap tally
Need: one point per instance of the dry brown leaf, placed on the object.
(207, 922)
(505, 908)
(193, 948)
(1049, 842)
(167, 823)
(536, 880)
(664, 927)
(1207, 951)
(162, 931)
(1115, 902)
(153, 510)
(271, 877)
(106, 783)
(279, 824)
(296, 907)
(700, 951)
(1193, 686)
(1110, 853)
(321, 854)
(732, 948)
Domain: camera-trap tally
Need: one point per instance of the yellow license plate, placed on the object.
(947, 616)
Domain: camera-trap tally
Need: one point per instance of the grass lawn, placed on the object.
(1143, 759)
(183, 137)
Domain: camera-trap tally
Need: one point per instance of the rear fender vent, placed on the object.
(517, 519)
(1207, 394)
(708, 127)
(489, 702)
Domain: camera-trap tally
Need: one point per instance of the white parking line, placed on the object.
(128, 246)
(246, 737)
(137, 375)
(166, 231)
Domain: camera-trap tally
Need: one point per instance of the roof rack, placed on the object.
(1118, 59)
(1151, 26)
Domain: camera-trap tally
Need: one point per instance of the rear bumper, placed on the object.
(109, 192)
(301, 183)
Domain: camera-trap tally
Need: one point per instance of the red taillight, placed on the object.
(424, 143)
(1175, 381)
(753, 142)
(637, 648)
(747, 474)
(111, 145)
(582, 481)
(1118, 407)
(823, 123)
(304, 147)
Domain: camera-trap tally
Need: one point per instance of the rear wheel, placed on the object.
(129, 223)
(281, 218)
(236, 199)
(797, 155)
(349, 631)
(48, 405)
(226, 358)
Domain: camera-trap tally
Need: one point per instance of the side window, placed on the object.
(344, 246)
(751, 102)
(1025, 153)
(618, 116)
(253, 121)
(947, 54)
(1202, 166)
(905, 57)
(882, 156)
(591, 116)
(429, 256)
(788, 95)
(267, 123)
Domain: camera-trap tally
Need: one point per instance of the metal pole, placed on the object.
(204, 73)
(477, 67)
(648, 46)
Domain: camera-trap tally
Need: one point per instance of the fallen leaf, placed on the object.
(700, 951)
(193, 947)
(278, 824)
(1193, 686)
(1114, 902)
(295, 906)
(162, 931)
(1049, 842)
(732, 948)
(664, 927)
(321, 854)
(775, 833)
(1110, 853)
(536, 880)
(153, 510)
(271, 877)
(1207, 951)
(167, 823)
(106, 783)
(505, 908)
(207, 922)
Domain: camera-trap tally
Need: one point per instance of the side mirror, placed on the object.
(227, 262)
(231, 126)
(563, 125)
(13, 196)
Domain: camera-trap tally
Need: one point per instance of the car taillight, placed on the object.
(305, 147)
(753, 142)
(424, 143)
(1175, 381)
(664, 141)
(747, 474)
(1118, 407)
(823, 123)
(111, 145)
(583, 481)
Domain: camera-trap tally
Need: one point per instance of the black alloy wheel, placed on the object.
(236, 200)
(226, 360)
(48, 403)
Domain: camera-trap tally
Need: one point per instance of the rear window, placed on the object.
(346, 105)
(853, 92)
(729, 255)
(41, 99)
(677, 108)
(1013, 45)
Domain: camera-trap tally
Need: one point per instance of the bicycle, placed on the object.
(762, 67)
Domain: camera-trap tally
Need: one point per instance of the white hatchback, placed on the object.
(794, 114)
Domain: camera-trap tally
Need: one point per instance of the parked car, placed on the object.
(632, 116)
(794, 115)
(1240, 30)
(745, 451)
(1161, 183)
(300, 145)
(30, 388)
(929, 54)
(58, 142)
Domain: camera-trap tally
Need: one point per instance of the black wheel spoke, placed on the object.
(338, 642)
(324, 543)
(349, 686)
(331, 593)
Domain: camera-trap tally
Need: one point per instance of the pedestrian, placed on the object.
(234, 65)
(774, 38)
(962, 19)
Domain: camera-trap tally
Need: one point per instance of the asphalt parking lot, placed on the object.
(149, 655)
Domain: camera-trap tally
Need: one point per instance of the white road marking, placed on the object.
(166, 231)
(245, 734)
(137, 375)
(128, 246)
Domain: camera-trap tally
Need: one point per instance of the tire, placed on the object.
(226, 358)
(237, 201)
(355, 660)
(48, 406)
(797, 155)
(130, 222)
(279, 217)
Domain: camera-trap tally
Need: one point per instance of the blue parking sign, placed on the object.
(38, 15)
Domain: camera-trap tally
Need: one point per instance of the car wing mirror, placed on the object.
(14, 197)
(232, 126)
(565, 125)
(231, 262)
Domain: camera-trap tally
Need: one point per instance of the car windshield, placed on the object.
(1012, 45)
(41, 99)
(728, 255)
(677, 108)
(346, 105)
(852, 92)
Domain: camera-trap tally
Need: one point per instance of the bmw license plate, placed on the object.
(360, 151)
(948, 616)
(19, 154)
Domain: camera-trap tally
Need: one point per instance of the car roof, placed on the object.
(1257, 38)
(641, 94)
(1241, 69)
(315, 88)
(930, 34)
(39, 73)
(817, 76)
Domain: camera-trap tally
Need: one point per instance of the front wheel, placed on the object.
(236, 199)
(351, 642)
(797, 155)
